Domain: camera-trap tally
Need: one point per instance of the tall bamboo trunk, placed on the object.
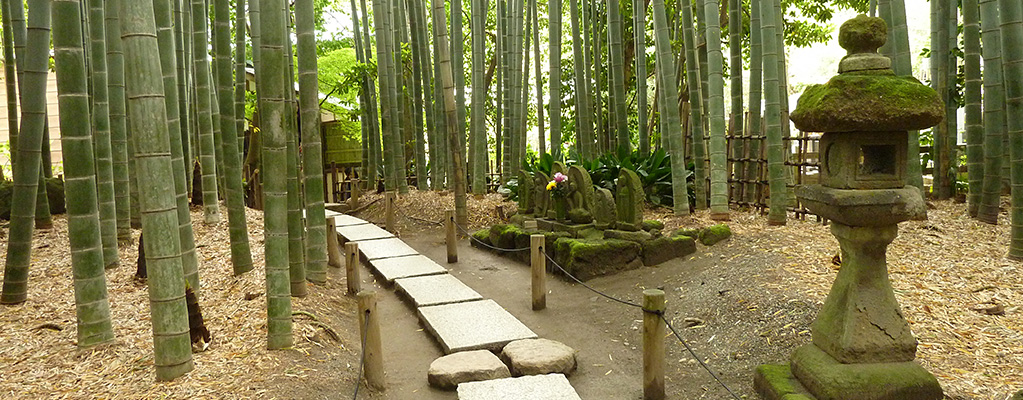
(444, 60)
(716, 101)
(118, 119)
(10, 76)
(672, 125)
(974, 113)
(374, 116)
(994, 112)
(296, 222)
(207, 151)
(584, 105)
(1012, 59)
(541, 139)
(397, 74)
(736, 131)
(458, 65)
(696, 114)
(316, 250)
(417, 98)
(239, 76)
(902, 63)
(639, 31)
(478, 129)
(615, 49)
(145, 91)
(939, 81)
(778, 204)
(755, 104)
(272, 115)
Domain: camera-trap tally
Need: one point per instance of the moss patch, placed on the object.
(662, 249)
(588, 258)
(651, 224)
(714, 234)
(482, 235)
(852, 102)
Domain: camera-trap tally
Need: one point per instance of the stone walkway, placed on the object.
(457, 316)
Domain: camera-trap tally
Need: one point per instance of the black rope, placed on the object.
(420, 220)
(626, 302)
(469, 235)
(362, 358)
(693, 353)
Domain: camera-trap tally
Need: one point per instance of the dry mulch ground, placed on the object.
(959, 292)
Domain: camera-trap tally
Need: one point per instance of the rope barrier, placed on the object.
(555, 263)
(469, 235)
(420, 220)
(362, 358)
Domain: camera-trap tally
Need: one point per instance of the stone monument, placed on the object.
(526, 196)
(862, 347)
(629, 201)
(580, 198)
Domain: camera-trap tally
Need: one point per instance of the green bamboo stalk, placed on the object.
(755, 97)
(939, 81)
(672, 124)
(584, 106)
(239, 75)
(458, 65)
(186, 237)
(183, 59)
(374, 125)
(316, 250)
(1012, 64)
(994, 112)
(736, 130)
(118, 119)
(26, 159)
(241, 256)
(444, 60)
(418, 14)
(696, 116)
(145, 91)
(387, 96)
(974, 113)
(439, 141)
(397, 25)
(207, 148)
(554, 15)
(507, 60)
(903, 66)
(101, 133)
(639, 31)
(417, 98)
(523, 123)
(600, 132)
(541, 139)
(296, 225)
(478, 132)
(716, 114)
(614, 26)
(19, 34)
(91, 305)
(274, 103)
(10, 76)
(778, 205)
(499, 90)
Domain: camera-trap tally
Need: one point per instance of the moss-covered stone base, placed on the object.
(813, 374)
(589, 258)
(714, 234)
(662, 249)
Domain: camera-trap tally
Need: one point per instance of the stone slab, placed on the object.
(347, 220)
(533, 387)
(405, 267)
(363, 232)
(384, 248)
(434, 290)
(473, 325)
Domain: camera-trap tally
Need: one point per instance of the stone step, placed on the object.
(473, 325)
(345, 220)
(432, 290)
(532, 387)
(405, 267)
(362, 232)
(384, 248)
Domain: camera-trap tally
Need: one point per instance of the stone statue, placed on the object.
(541, 199)
(629, 201)
(580, 198)
(526, 196)
(604, 212)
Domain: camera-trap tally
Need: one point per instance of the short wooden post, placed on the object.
(352, 267)
(451, 239)
(389, 212)
(333, 247)
(653, 344)
(539, 265)
(353, 201)
(373, 366)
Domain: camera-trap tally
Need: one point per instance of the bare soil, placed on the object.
(746, 301)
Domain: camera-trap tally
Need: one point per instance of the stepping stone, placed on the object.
(539, 357)
(532, 387)
(405, 267)
(434, 290)
(347, 220)
(363, 232)
(385, 248)
(474, 325)
(465, 366)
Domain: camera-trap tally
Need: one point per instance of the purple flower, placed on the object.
(559, 177)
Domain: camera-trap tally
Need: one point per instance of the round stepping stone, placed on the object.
(465, 366)
(538, 357)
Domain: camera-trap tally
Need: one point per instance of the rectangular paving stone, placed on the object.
(532, 387)
(433, 290)
(405, 267)
(473, 325)
(363, 232)
(347, 220)
(384, 248)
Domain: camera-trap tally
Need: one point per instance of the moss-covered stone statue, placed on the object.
(580, 197)
(862, 346)
(526, 193)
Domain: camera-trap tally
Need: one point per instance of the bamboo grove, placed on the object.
(452, 95)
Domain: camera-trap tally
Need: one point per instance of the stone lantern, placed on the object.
(862, 347)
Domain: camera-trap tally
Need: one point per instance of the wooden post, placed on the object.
(449, 228)
(539, 264)
(353, 201)
(333, 247)
(352, 267)
(653, 345)
(373, 366)
(389, 211)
